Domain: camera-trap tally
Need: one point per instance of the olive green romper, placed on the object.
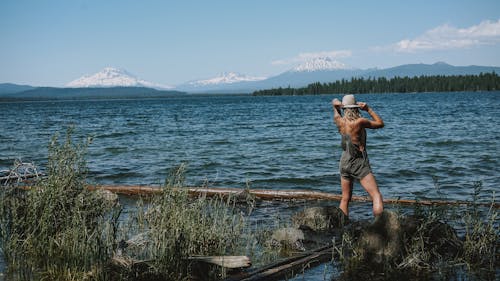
(354, 163)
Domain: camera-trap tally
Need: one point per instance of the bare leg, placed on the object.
(346, 195)
(370, 185)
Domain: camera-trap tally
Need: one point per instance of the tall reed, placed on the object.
(482, 232)
(58, 230)
(178, 227)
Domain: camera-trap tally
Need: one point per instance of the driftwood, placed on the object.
(224, 261)
(20, 172)
(10, 178)
(293, 264)
(268, 194)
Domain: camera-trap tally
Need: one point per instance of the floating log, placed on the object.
(277, 194)
(129, 190)
(225, 261)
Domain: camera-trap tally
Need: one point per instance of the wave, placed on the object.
(116, 135)
(117, 176)
(220, 142)
(314, 180)
(116, 150)
(445, 143)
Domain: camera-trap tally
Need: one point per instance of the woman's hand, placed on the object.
(336, 103)
(363, 106)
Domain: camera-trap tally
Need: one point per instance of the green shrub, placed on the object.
(178, 227)
(57, 229)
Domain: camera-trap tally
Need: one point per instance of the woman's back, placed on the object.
(355, 130)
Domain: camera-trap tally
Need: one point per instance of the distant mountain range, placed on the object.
(113, 77)
(117, 83)
(215, 83)
(327, 70)
(51, 93)
(110, 83)
(9, 88)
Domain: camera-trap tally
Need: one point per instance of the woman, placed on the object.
(354, 164)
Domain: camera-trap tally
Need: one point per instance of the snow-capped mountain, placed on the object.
(225, 78)
(322, 69)
(112, 77)
(320, 64)
(227, 82)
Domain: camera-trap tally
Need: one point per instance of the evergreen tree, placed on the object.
(359, 85)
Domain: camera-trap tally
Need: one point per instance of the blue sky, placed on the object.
(49, 43)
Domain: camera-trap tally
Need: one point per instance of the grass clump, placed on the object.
(178, 227)
(58, 230)
(431, 247)
(481, 235)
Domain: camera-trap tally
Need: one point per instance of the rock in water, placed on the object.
(443, 238)
(320, 218)
(381, 241)
(288, 237)
(110, 197)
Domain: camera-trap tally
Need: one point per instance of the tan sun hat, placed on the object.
(348, 101)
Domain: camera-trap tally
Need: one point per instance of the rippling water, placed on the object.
(433, 145)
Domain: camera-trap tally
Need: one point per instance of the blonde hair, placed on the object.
(351, 114)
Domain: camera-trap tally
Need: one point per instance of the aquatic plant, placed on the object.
(432, 248)
(481, 234)
(178, 227)
(57, 229)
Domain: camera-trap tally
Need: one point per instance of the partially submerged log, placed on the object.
(276, 194)
(224, 261)
(128, 189)
(282, 268)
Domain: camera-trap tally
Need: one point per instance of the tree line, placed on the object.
(359, 85)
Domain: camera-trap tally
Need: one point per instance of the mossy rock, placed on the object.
(439, 237)
(381, 241)
(288, 238)
(320, 218)
(444, 239)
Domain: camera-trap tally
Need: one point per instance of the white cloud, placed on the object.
(303, 57)
(446, 37)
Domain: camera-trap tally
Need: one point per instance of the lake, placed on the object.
(433, 145)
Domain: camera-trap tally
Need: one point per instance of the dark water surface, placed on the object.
(433, 145)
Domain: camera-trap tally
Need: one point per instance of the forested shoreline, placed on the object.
(435, 83)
